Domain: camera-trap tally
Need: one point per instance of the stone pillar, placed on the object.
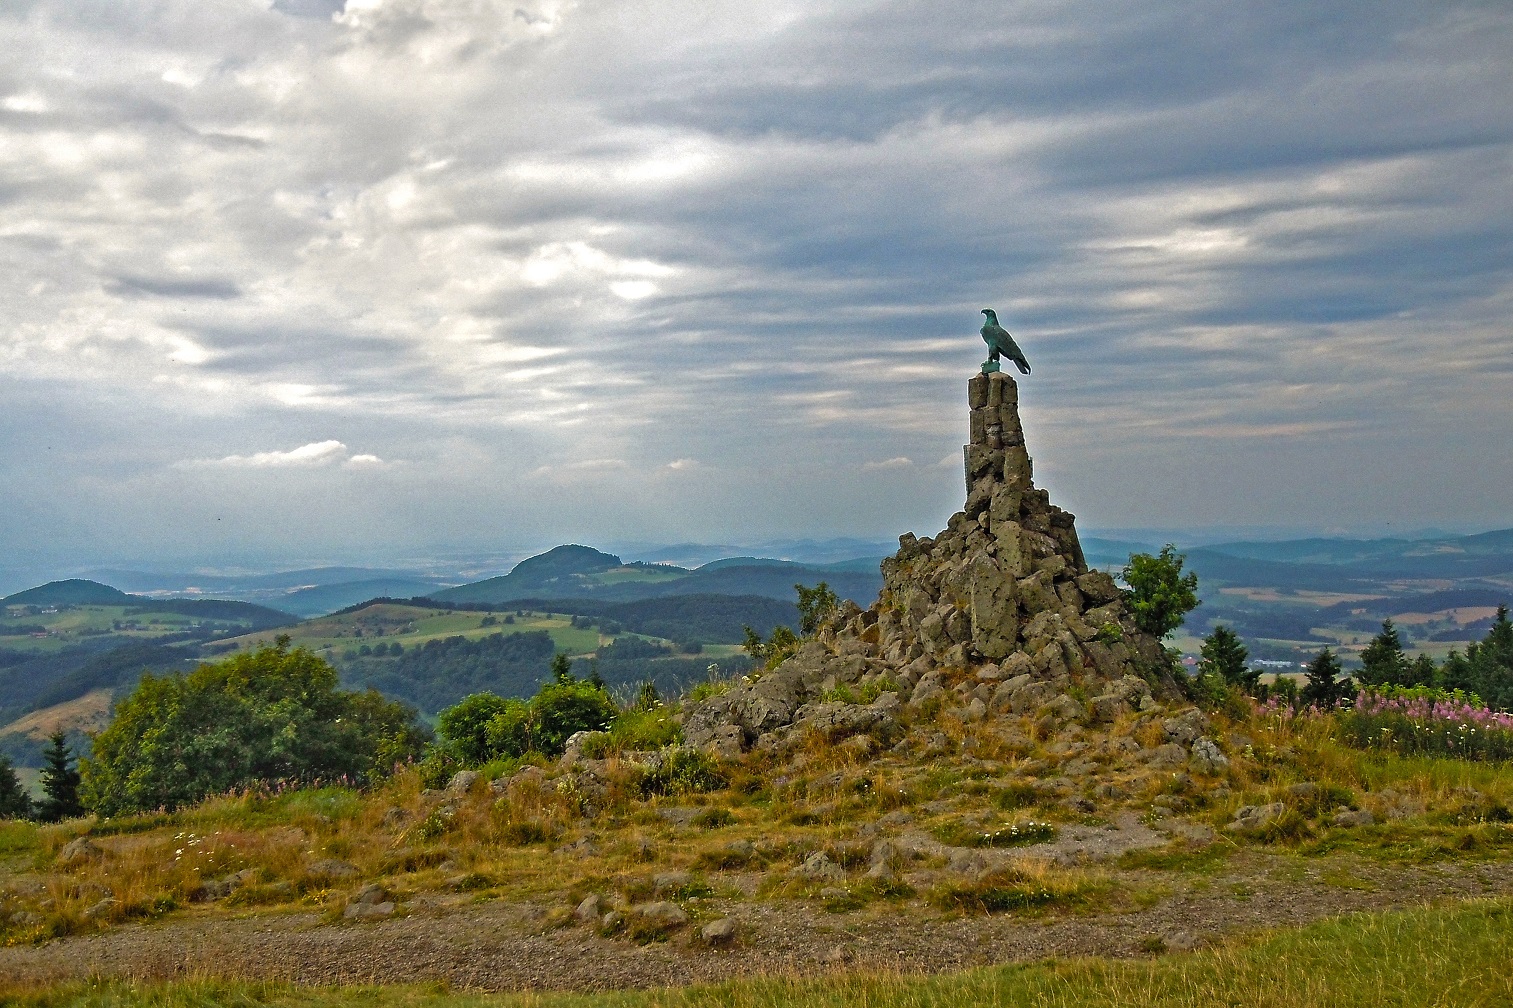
(996, 439)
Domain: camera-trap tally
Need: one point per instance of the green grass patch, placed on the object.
(17, 837)
(1178, 857)
(1019, 834)
(1008, 889)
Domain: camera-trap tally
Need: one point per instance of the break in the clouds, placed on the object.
(1258, 255)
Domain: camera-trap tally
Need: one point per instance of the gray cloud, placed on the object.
(495, 239)
(138, 286)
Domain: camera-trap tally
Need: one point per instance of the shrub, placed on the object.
(484, 727)
(466, 725)
(635, 730)
(1160, 594)
(679, 770)
(563, 709)
(268, 716)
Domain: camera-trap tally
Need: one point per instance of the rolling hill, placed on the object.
(581, 572)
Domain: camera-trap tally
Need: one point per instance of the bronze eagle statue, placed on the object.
(1000, 342)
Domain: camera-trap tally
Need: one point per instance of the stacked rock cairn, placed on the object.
(998, 614)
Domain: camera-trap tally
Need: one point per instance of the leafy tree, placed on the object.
(562, 668)
(466, 725)
(60, 782)
(265, 716)
(1285, 688)
(817, 606)
(563, 709)
(15, 803)
(1322, 688)
(1225, 656)
(484, 727)
(1382, 661)
(1160, 595)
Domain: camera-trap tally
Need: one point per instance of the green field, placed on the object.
(627, 575)
(412, 625)
(69, 625)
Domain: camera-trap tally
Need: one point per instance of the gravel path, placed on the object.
(502, 946)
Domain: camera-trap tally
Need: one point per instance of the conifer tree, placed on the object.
(1491, 663)
(1224, 655)
(60, 782)
(15, 803)
(1382, 661)
(1421, 671)
(562, 668)
(1322, 688)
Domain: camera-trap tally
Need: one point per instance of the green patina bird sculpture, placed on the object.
(1000, 342)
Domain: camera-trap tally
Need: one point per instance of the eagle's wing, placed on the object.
(1011, 350)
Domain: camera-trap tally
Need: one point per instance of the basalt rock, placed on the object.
(1000, 606)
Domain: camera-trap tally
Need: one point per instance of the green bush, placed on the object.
(563, 709)
(635, 730)
(680, 770)
(270, 716)
(483, 727)
(466, 725)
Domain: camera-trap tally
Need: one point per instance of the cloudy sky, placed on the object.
(316, 282)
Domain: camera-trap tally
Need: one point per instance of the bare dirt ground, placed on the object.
(499, 945)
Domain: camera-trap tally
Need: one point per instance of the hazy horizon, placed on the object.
(461, 564)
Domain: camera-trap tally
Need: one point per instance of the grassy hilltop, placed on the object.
(965, 839)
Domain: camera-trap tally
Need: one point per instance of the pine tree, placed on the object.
(1224, 655)
(562, 668)
(1322, 689)
(15, 803)
(60, 782)
(1421, 671)
(1382, 661)
(1491, 663)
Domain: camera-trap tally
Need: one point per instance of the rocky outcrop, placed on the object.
(998, 614)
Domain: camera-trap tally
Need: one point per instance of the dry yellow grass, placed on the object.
(817, 797)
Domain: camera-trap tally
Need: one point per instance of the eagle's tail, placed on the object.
(1023, 365)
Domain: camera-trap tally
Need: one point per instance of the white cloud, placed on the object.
(317, 453)
(899, 462)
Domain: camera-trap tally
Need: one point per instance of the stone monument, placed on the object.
(1000, 608)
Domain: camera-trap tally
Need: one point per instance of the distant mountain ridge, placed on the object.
(574, 571)
(81, 592)
(73, 591)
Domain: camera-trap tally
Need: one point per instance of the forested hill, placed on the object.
(709, 619)
(579, 572)
(78, 592)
